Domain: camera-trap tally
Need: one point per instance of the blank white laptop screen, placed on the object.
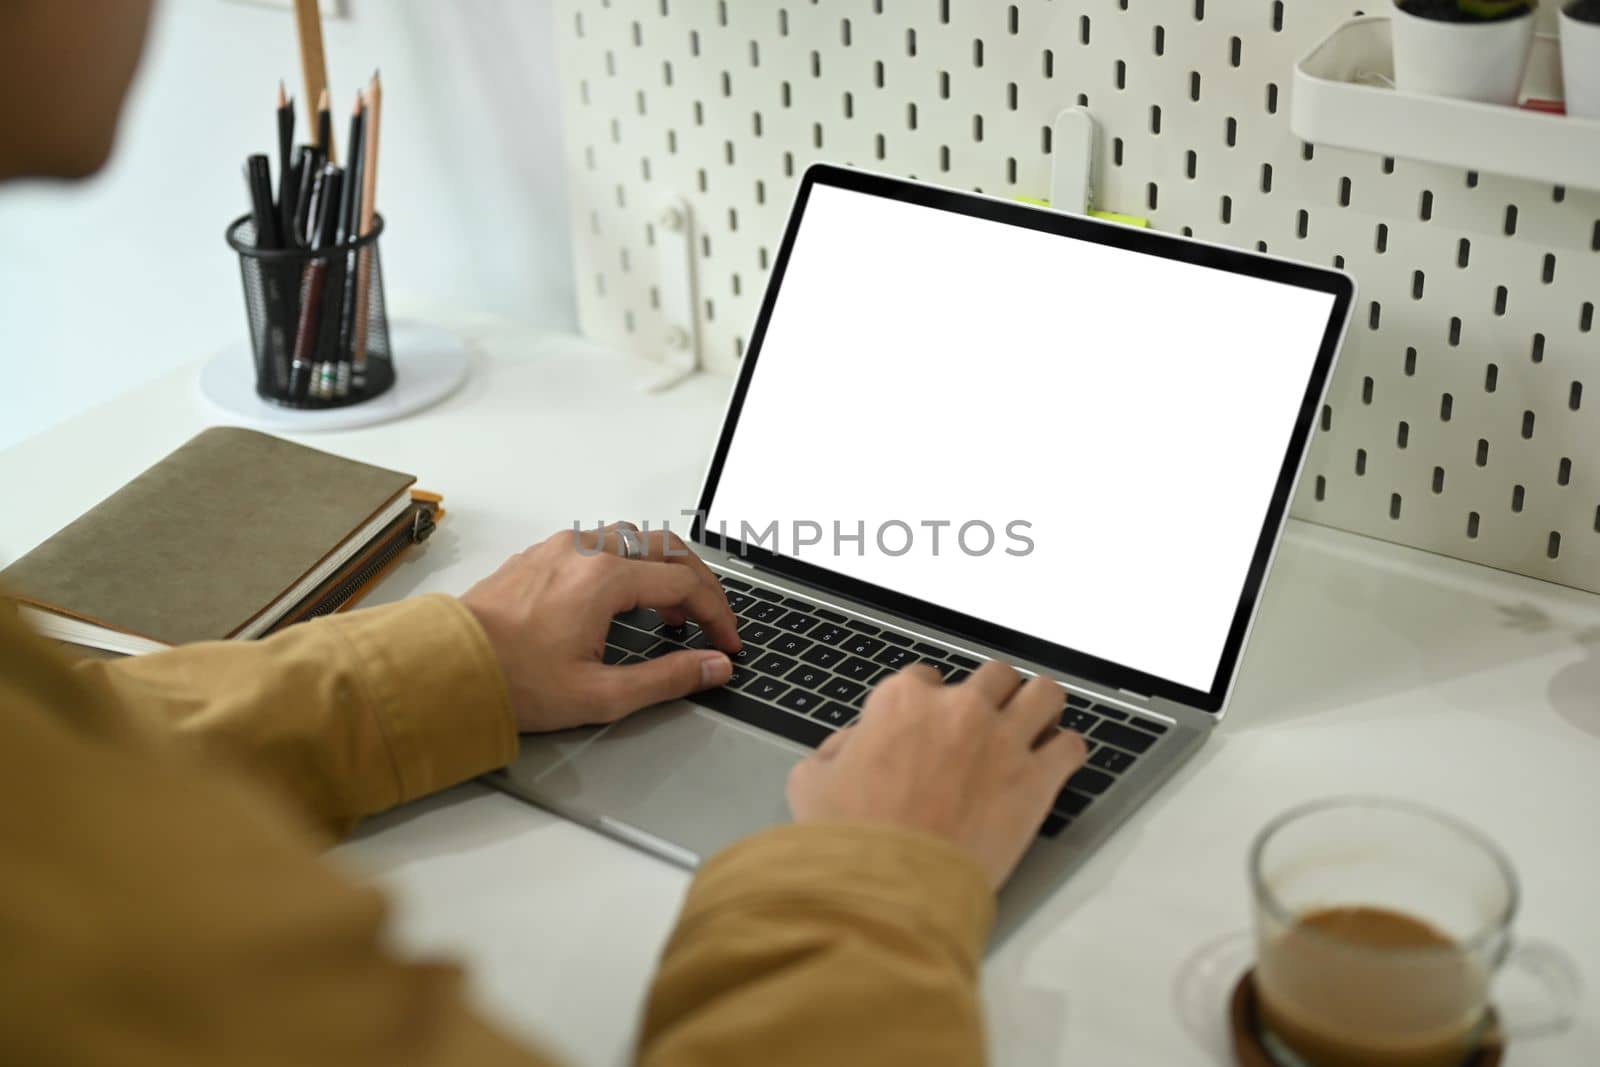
(922, 366)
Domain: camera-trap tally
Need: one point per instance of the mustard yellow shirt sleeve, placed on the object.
(158, 907)
(344, 716)
(833, 945)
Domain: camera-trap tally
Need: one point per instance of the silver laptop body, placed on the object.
(683, 779)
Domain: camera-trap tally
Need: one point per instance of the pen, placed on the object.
(303, 369)
(313, 218)
(305, 336)
(327, 333)
(309, 164)
(258, 178)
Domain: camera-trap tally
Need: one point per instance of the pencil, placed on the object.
(325, 126)
(313, 62)
(349, 207)
(349, 225)
(286, 188)
(369, 202)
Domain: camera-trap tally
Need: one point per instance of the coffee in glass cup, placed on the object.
(1379, 928)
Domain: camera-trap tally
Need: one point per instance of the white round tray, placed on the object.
(430, 364)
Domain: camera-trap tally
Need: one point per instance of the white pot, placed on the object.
(1467, 60)
(1580, 65)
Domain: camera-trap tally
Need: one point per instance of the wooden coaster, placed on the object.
(1248, 1050)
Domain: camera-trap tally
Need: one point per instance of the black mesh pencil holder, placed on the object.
(319, 328)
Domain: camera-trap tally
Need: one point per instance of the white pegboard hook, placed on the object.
(1074, 138)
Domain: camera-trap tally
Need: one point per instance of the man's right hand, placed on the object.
(977, 763)
(547, 610)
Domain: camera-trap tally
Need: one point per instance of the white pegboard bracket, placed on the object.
(1072, 162)
(674, 229)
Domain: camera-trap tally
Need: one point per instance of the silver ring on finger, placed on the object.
(632, 542)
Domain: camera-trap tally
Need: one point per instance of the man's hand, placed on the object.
(976, 763)
(547, 609)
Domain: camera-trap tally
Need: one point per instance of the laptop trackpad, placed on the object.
(680, 773)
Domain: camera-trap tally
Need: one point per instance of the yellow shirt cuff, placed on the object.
(880, 873)
(436, 691)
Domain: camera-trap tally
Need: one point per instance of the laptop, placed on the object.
(970, 429)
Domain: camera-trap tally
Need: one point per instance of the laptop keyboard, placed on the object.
(805, 670)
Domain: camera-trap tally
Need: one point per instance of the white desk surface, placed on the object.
(1374, 669)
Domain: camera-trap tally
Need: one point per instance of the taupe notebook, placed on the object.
(218, 540)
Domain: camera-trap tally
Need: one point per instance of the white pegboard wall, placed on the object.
(1458, 420)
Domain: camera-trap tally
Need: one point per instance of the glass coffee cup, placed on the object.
(1380, 926)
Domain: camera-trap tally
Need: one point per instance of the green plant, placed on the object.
(1468, 10)
(1495, 9)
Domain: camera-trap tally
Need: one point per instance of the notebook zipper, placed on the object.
(417, 531)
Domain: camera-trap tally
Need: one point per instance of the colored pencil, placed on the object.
(369, 203)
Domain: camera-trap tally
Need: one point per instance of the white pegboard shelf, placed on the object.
(1344, 96)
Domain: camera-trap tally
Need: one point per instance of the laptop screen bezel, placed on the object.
(1142, 241)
